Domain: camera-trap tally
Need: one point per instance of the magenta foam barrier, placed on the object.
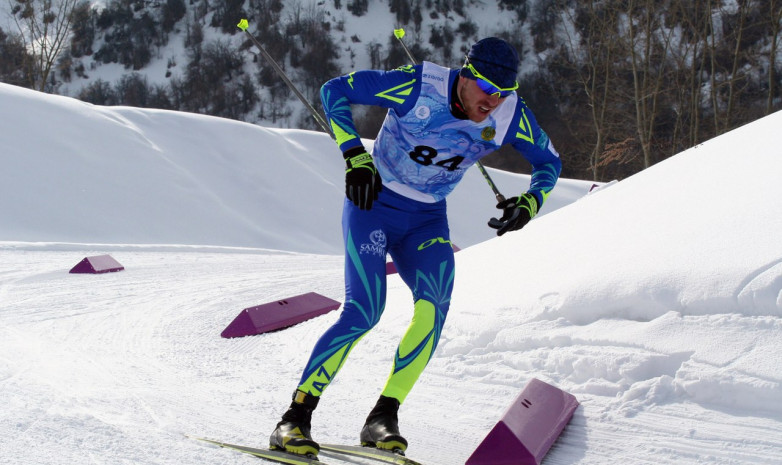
(528, 428)
(97, 264)
(280, 314)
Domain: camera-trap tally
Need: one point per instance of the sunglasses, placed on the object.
(487, 86)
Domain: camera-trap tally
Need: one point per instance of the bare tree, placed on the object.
(735, 76)
(593, 55)
(725, 56)
(44, 26)
(683, 54)
(648, 46)
(775, 21)
(691, 63)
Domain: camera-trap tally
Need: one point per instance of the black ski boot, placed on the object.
(293, 432)
(381, 429)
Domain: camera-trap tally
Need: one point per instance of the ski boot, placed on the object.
(381, 429)
(293, 432)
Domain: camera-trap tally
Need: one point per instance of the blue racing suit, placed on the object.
(421, 153)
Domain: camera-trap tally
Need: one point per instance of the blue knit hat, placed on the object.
(495, 59)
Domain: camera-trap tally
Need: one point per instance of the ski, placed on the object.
(267, 454)
(370, 453)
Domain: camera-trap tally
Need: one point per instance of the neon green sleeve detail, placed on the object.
(340, 134)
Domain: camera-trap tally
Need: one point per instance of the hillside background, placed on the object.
(660, 309)
(618, 85)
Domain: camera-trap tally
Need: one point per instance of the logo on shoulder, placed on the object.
(376, 245)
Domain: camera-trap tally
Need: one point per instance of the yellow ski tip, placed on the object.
(243, 24)
(399, 33)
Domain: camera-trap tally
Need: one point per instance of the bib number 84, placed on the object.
(424, 155)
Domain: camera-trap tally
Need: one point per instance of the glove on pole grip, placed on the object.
(517, 212)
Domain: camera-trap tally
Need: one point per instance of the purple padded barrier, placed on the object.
(279, 314)
(528, 428)
(391, 268)
(97, 264)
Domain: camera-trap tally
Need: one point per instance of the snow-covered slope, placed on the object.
(75, 172)
(657, 301)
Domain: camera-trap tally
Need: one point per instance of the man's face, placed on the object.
(477, 104)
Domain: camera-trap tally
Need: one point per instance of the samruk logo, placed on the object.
(378, 244)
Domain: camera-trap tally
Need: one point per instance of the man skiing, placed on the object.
(440, 122)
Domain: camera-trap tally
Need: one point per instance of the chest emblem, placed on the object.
(422, 112)
(488, 133)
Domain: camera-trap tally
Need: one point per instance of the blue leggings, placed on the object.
(416, 236)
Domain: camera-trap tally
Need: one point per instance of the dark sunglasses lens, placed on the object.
(491, 89)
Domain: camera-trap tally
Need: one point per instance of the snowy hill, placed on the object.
(657, 302)
(75, 172)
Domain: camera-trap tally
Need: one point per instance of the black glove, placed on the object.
(362, 181)
(517, 211)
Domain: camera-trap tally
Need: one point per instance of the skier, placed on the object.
(440, 121)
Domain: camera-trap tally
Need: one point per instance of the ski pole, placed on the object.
(399, 33)
(243, 25)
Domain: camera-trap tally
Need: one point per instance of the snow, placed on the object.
(656, 301)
